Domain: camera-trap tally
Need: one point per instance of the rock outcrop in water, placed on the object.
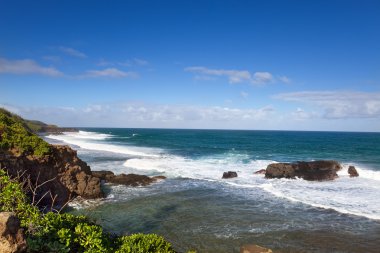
(61, 172)
(229, 174)
(352, 171)
(12, 238)
(129, 180)
(313, 171)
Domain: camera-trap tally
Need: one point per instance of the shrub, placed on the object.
(15, 135)
(65, 233)
(141, 243)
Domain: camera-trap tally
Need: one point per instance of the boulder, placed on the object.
(229, 174)
(61, 172)
(12, 238)
(313, 171)
(252, 248)
(260, 171)
(352, 171)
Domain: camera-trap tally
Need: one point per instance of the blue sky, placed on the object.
(300, 65)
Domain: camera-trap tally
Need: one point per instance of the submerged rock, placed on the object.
(313, 171)
(252, 248)
(12, 238)
(130, 179)
(229, 174)
(260, 171)
(352, 171)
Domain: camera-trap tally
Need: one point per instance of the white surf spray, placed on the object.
(357, 196)
(93, 141)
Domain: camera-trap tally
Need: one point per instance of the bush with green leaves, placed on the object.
(142, 243)
(66, 233)
(14, 134)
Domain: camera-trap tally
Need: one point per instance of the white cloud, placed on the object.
(72, 52)
(109, 72)
(285, 79)
(300, 114)
(339, 104)
(262, 77)
(26, 66)
(234, 76)
(133, 114)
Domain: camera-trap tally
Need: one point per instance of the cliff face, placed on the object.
(52, 169)
(67, 176)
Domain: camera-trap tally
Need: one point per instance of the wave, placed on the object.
(91, 141)
(355, 196)
(88, 135)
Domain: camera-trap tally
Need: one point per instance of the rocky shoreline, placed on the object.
(62, 173)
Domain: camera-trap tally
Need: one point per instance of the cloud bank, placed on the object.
(338, 104)
(148, 115)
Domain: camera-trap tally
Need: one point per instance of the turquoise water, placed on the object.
(195, 209)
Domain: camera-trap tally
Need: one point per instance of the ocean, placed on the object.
(194, 208)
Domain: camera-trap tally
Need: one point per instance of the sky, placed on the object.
(261, 65)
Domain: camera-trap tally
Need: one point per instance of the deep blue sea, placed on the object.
(195, 209)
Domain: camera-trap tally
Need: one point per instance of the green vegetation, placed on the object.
(54, 232)
(15, 134)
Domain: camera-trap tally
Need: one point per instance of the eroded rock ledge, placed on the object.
(129, 180)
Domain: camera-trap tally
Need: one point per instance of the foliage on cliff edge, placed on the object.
(15, 135)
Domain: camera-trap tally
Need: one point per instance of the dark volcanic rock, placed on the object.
(229, 174)
(352, 171)
(103, 174)
(260, 171)
(12, 238)
(130, 179)
(67, 175)
(313, 171)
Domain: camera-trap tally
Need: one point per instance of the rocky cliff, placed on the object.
(61, 172)
(52, 171)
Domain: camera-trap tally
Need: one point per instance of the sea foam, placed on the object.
(92, 141)
(356, 196)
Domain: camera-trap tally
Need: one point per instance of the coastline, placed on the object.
(242, 211)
